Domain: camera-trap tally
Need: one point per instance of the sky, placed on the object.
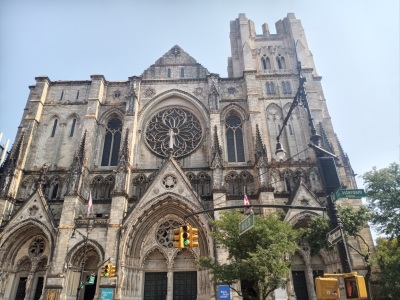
(355, 45)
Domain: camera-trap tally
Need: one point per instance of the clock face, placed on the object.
(178, 124)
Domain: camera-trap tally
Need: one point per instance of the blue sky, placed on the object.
(355, 46)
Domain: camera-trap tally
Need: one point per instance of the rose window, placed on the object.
(177, 124)
(37, 247)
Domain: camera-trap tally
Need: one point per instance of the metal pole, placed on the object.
(326, 165)
(80, 283)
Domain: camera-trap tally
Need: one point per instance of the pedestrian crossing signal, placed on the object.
(355, 287)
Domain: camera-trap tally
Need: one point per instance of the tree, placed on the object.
(383, 196)
(260, 256)
(388, 259)
(353, 220)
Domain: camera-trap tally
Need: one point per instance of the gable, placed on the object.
(175, 64)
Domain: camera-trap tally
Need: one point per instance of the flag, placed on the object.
(90, 204)
(246, 200)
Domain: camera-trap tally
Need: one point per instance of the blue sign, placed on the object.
(106, 294)
(224, 292)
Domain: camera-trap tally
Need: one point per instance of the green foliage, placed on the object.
(316, 233)
(388, 259)
(383, 196)
(261, 254)
(354, 219)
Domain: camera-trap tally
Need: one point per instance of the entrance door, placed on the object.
(90, 290)
(300, 285)
(21, 288)
(185, 285)
(39, 288)
(155, 286)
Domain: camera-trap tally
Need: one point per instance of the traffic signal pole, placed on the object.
(325, 161)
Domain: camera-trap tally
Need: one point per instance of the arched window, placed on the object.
(53, 131)
(182, 72)
(266, 63)
(108, 186)
(98, 188)
(239, 183)
(270, 88)
(234, 139)
(140, 182)
(71, 133)
(169, 73)
(112, 143)
(280, 60)
(203, 184)
(286, 88)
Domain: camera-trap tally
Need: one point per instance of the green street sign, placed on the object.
(246, 224)
(359, 193)
(351, 193)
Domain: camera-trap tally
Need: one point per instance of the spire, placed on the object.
(325, 144)
(76, 168)
(122, 167)
(345, 158)
(261, 152)
(216, 151)
(10, 164)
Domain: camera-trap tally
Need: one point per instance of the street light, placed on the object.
(326, 164)
(85, 238)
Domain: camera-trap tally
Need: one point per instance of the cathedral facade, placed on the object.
(103, 171)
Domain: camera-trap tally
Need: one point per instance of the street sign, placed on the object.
(224, 292)
(358, 193)
(334, 236)
(246, 224)
(351, 193)
(106, 293)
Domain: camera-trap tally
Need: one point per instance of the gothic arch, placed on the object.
(109, 114)
(74, 255)
(17, 235)
(234, 109)
(152, 250)
(189, 102)
(142, 220)
(297, 219)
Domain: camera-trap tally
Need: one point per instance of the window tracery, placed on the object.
(179, 124)
(238, 183)
(37, 247)
(234, 139)
(112, 143)
(140, 183)
(165, 233)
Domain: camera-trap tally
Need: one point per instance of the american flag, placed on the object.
(246, 200)
(90, 204)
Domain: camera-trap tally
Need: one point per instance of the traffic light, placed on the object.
(355, 287)
(327, 288)
(185, 237)
(194, 237)
(111, 269)
(105, 270)
(177, 237)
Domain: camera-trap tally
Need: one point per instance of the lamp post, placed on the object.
(326, 165)
(85, 238)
